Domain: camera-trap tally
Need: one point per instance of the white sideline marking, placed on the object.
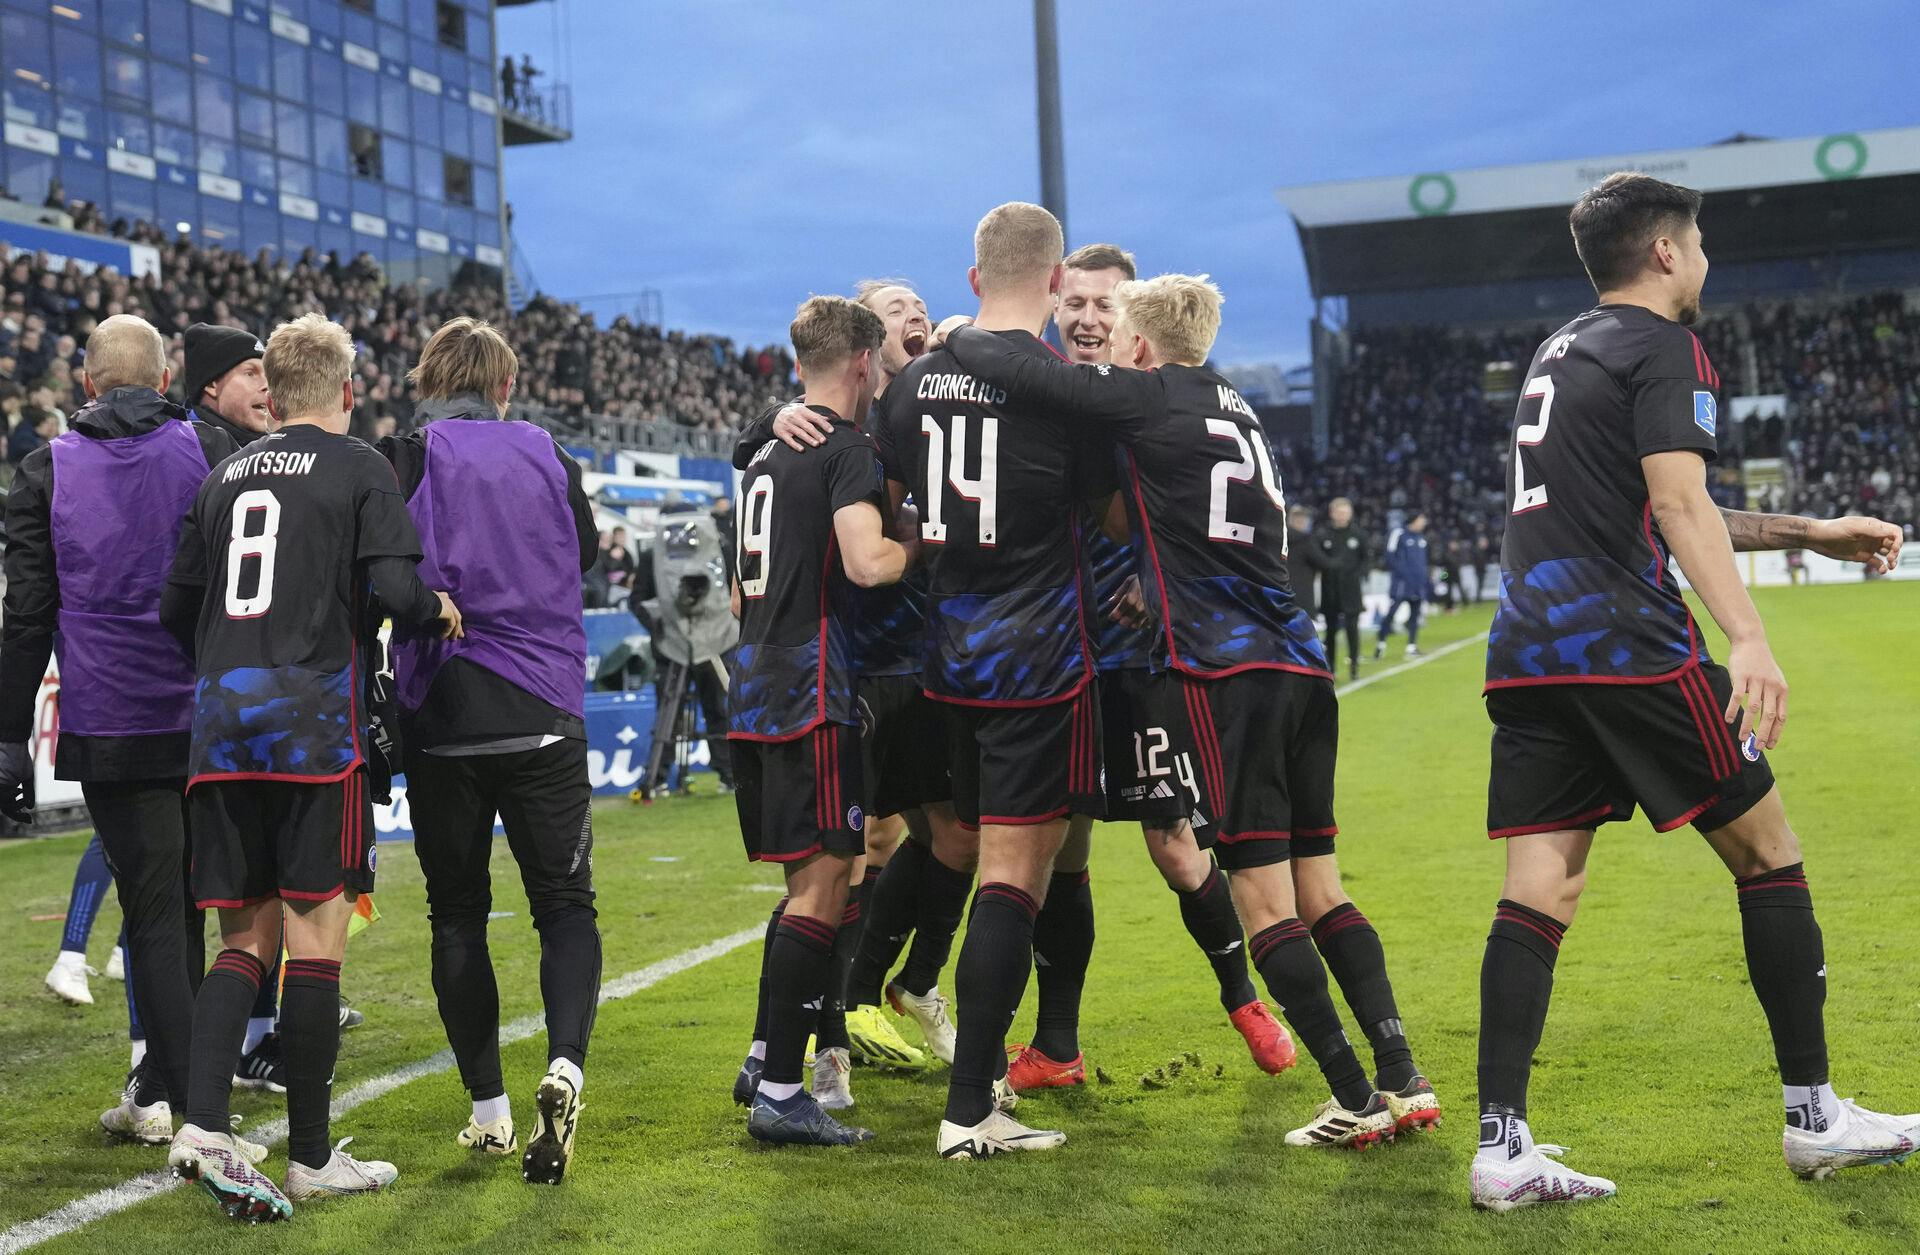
(103, 1203)
(1354, 685)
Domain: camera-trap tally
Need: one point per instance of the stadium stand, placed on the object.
(574, 369)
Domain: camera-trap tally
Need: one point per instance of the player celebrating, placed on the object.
(810, 530)
(1249, 694)
(1084, 312)
(1602, 696)
(495, 723)
(999, 491)
(269, 585)
(91, 524)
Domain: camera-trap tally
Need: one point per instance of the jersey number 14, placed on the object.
(950, 463)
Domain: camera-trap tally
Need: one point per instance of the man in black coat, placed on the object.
(1302, 560)
(225, 385)
(1342, 553)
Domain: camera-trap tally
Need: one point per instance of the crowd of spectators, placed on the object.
(1415, 430)
(571, 366)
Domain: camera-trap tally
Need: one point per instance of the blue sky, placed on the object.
(737, 156)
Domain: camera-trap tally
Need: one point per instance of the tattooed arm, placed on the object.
(1853, 538)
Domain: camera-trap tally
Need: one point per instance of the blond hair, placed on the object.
(1103, 257)
(308, 362)
(1016, 243)
(865, 290)
(1179, 315)
(827, 330)
(125, 351)
(464, 356)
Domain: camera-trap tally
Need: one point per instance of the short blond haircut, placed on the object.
(308, 362)
(1016, 243)
(464, 356)
(125, 351)
(1103, 257)
(1178, 314)
(827, 330)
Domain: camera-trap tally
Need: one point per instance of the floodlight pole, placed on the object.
(1046, 56)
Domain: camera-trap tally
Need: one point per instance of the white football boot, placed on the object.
(67, 978)
(151, 1125)
(1334, 1125)
(1857, 1138)
(216, 1161)
(832, 1078)
(998, 1134)
(556, 1106)
(117, 964)
(496, 1137)
(1535, 1176)
(342, 1175)
(931, 1011)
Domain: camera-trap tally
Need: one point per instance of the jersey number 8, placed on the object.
(242, 545)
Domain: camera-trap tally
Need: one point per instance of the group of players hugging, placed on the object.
(232, 709)
(1083, 612)
(990, 591)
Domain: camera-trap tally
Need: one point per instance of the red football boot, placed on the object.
(1029, 1069)
(1267, 1038)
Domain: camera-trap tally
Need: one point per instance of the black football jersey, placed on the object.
(278, 537)
(999, 489)
(1585, 594)
(1208, 513)
(794, 669)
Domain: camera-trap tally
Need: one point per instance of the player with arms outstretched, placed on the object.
(1602, 695)
(811, 532)
(268, 592)
(1242, 687)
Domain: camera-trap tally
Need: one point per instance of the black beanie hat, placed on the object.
(212, 352)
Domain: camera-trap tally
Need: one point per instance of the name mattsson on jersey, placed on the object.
(269, 462)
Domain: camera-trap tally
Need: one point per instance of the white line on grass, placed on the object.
(1355, 685)
(104, 1203)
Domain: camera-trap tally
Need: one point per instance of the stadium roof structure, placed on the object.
(1765, 200)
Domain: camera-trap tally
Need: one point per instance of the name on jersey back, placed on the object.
(269, 462)
(958, 388)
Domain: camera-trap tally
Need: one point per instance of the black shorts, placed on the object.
(259, 839)
(1571, 756)
(903, 745)
(800, 797)
(1147, 743)
(1026, 764)
(1265, 742)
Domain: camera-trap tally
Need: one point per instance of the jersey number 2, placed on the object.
(983, 489)
(1528, 434)
(243, 544)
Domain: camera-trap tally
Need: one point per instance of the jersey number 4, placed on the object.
(1525, 435)
(244, 543)
(951, 464)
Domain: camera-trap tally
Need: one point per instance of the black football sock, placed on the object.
(799, 964)
(1787, 963)
(1516, 984)
(1062, 948)
(832, 1033)
(864, 894)
(990, 979)
(888, 903)
(766, 955)
(469, 999)
(1351, 948)
(219, 1028)
(310, 1036)
(266, 1004)
(1291, 967)
(1214, 925)
(943, 899)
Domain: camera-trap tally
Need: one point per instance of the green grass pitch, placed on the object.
(1655, 1069)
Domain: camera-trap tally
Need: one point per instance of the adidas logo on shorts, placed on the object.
(1161, 790)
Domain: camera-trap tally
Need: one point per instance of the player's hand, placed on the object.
(1128, 607)
(906, 523)
(948, 325)
(1758, 684)
(16, 782)
(801, 428)
(452, 628)
(1856, 538)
